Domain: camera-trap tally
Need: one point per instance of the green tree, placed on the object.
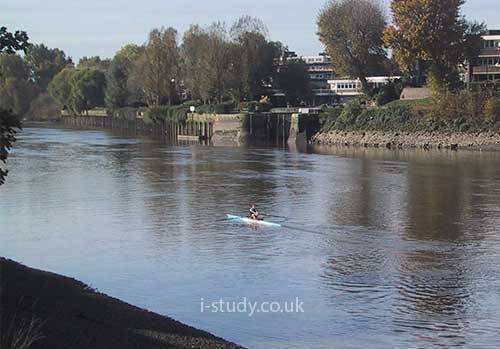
(87, 89)
(9, 122)
(60, 87)
(10, 43)
(130, 51)
(117, 94)
(352, 32)
(194, 44)
(256, 55)
(16, 88)
(157, 70)
(45, 63)
(293, 79)
(94, 62)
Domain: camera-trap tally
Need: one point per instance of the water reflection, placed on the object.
(390, 248)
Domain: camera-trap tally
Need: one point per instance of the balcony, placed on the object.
(490, 52)
(486, 69)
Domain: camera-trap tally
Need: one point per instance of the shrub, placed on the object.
(254, 106)
(44, 107)
(328, 117)
(491, 110)
(349, 114)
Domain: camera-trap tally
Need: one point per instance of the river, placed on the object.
(382, 248)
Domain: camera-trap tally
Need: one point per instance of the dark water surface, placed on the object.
(394, 249)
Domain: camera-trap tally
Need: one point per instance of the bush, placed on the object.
(328, 117)
(254, 106)
(491, 110)
(387, 93)
(176, 113)
(44, 107)
(349, 114)
(224, 108)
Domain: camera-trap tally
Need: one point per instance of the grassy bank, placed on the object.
(54, 311)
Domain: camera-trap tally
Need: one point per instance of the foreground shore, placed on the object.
(408, 140)
(58, 312)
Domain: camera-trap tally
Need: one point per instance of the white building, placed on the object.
(352, 87)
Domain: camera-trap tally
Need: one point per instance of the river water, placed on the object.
(383, 248)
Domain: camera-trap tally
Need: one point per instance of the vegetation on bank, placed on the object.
(467, 111)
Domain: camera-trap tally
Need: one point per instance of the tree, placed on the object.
(45, 63)
(87, 89)
(16, 88)
(216, 64)
(352, 31)
(94, 62)
(116, 94)
(130, 51)
(433, 33)
(60, 87)
(255, 62)
(9, 122)
(10, 43)
(293, 79)
(158, 67)
(194, 44)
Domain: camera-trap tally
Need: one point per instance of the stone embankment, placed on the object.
(407, 140)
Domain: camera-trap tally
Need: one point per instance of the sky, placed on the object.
(101, 27)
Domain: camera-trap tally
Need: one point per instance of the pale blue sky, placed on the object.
(100, 27)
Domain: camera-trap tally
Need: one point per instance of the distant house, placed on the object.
(346, 88)
(487, 66)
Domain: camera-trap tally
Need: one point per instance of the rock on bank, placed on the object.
(419, 139)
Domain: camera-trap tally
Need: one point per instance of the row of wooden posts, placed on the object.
(171, 131)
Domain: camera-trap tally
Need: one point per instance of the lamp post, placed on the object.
(172, 89)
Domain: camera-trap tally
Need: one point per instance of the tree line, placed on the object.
(427, 38)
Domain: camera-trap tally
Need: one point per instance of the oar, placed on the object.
(273, 215)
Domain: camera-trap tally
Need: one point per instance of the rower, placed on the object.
(254, 214)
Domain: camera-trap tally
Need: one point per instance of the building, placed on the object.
(320, 70)
(487, 66)
(348, 88)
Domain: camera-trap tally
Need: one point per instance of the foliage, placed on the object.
(256, 56)
(16, 88)
(12, 42)
(293, 79)
(60, 87)
(492, 110)
(254, 106)
(157, 70)
(177, 113)
(387, 93)
(328, 117)
(117, 93)
(44, 107)
(352, 31)
(94, 62)
(432, 31)
(45, 63)
(87, 89)
(350, 113)
(9, 122)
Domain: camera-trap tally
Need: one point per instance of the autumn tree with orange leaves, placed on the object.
(432, 32)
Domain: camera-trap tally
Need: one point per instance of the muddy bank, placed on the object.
(60, 312)
(408, 140)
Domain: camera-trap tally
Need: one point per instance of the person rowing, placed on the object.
(254, 214)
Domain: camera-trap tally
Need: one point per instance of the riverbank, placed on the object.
(410, 140)
(60, 312)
